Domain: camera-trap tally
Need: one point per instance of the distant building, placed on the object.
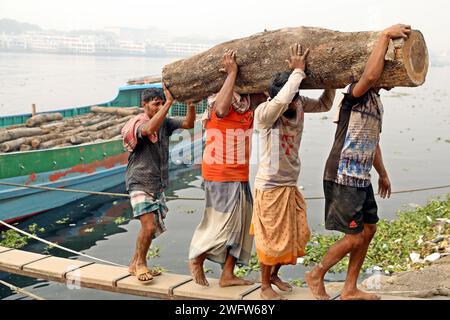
(95, 44)
(184, 49)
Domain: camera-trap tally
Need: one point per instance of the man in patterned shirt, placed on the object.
(146, 137)
(350, 205)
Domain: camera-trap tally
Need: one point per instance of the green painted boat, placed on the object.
(92, 166)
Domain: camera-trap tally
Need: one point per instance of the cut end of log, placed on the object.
(415, 52)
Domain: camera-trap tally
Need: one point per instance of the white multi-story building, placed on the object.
(185, 49)
(132, 47)
(93, 44)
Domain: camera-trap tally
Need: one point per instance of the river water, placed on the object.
(414, 143)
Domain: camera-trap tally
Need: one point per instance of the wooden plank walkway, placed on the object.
(117, 279)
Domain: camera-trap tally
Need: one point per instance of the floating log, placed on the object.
(120, 111)
(42, 118)
(336, 59)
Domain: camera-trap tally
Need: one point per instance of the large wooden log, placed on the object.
(112, 132)
(43, 118)
(78, 139)
(13, 145)
(53, 143)
(120, 111)
(36, 141)
(336, 59)
(20, 133)
(25, 147)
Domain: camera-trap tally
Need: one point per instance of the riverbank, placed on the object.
(419, 236)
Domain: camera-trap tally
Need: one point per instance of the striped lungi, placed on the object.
(144, 203)
(225, 223)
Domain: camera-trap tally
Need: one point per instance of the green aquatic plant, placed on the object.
(395, 240)
(158, 268)
(15, 240)
(121, 220)
(392, 245)
(297, 282)
(62, 221)
(153, 252)
(207, 270)
(253, 266)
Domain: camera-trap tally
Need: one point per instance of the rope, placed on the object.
(124, 195)
(21, 291)
(66, 190)
(57, 245)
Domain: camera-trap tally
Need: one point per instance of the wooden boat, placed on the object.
(92, 166)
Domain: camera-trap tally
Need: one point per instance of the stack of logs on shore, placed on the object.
(45, 131)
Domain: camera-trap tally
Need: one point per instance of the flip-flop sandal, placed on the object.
(141, 271)
(153, 271)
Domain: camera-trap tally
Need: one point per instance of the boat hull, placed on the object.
(89, 167)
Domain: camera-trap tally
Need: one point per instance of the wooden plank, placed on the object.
(191, 290)
(388, 297)
(4, 249)
(54, 268)
(16, 259)
(117, 279)
(295, 294)
(98, 276)
(160, 287)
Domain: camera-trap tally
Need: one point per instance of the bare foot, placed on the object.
(270, 294)
(228, 281)
(132, 268)
(316, 285)
(142, 272)
(198, 275)
(358, 295)
(283, 286)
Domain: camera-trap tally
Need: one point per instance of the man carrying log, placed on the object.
(279, 220)
(350, 205)
(222, 235)
(146, 137)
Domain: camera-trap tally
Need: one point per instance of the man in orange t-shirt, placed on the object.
(222, 236)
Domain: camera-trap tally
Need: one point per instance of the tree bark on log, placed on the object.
(120, 111)
(80, 139)
(13, 145)
(42, 118)
(36, 141)
(25, 147)
(336, 59)
(53, 143)
(112, 132)
(20, 133)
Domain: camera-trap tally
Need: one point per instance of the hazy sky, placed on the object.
(235, 18)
